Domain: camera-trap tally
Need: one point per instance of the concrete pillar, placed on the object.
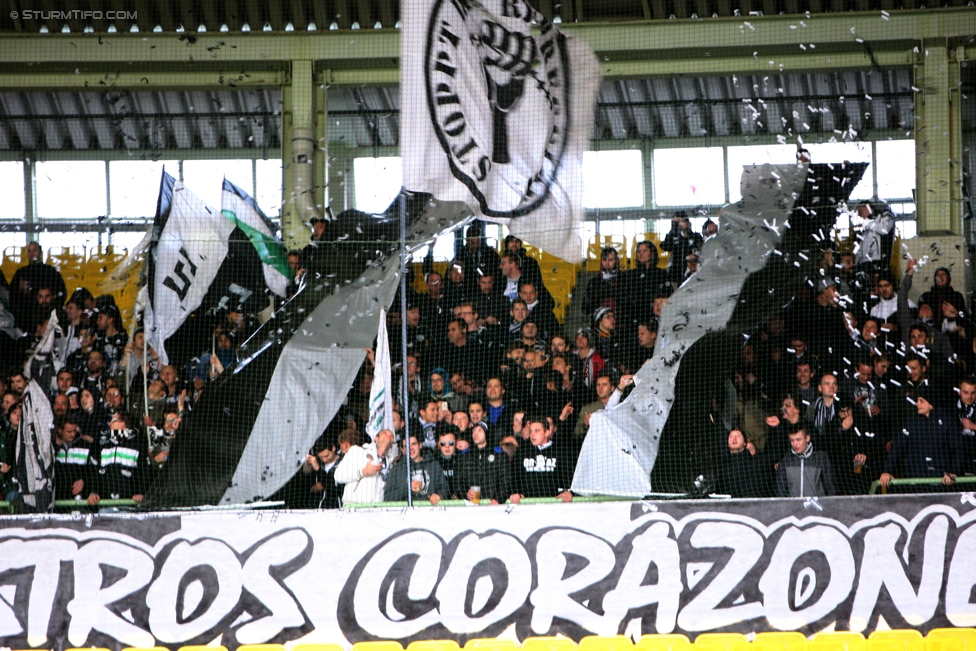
(299, 153)
(938, 140)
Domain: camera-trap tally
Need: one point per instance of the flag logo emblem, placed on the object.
(498, 97)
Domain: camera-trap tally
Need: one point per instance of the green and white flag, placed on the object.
(242, 211)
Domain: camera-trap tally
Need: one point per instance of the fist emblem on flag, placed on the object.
(498, 96)
(508, 59)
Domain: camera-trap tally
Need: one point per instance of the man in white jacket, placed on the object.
(364, 468)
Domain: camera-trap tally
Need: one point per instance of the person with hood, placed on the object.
(441, 391)
(930, 444)
(604, 289)
(449, 459)
(804, 472)
(942, 295)
(426, 480)
(485, 467)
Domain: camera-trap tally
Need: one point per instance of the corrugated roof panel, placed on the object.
(666, 112)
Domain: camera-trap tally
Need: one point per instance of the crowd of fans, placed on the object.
(850, 383)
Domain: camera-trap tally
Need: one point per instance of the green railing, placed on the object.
(926, 481)
(525, 500)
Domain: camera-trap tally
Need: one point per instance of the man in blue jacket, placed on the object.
(930, 444)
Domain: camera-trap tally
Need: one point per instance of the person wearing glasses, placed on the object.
(450, 461)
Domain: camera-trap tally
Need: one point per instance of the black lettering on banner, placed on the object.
(740, 567)
(178, 272)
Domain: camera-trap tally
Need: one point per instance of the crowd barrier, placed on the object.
(876, 486)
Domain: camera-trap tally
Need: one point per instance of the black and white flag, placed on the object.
(497, 107)
(33, 450)
(205, 262)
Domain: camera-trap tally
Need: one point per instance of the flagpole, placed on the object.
(403, 336)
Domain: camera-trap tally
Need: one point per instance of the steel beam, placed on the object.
(371, 49)
(148, 80)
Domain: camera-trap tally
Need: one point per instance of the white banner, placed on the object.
(191, 248)
(232, 578)
(498, 116)
(381, 392)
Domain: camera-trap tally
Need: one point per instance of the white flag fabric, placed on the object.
(497, 116)
(381, 393)
(193, 242)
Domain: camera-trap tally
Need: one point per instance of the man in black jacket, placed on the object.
(540, 469)
(930, 444)
(741, 474)
(426, 479)
(484, 466)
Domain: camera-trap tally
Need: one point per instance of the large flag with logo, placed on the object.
(204, 263)
(497, 106)
(34, 452)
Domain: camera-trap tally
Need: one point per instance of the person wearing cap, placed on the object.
(477, 258)
(605, 328)
(929, 444)
(484, 466)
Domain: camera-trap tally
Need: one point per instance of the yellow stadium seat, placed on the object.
(548, 644)
(768, 645)
(186, 648)
(386, 645)
(838, 641)
(490, 644)
(962, 634)
(896, 640)
(433, 645)
(148, 648)
(598, 242)
(788, 639)
(947, 644)
(606, 643)
(300, 647)
(724, 640)
(93, 649)
(653, 238)
(668, 641)
(281, 647)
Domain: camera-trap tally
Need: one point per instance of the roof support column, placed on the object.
(938, 140)
(299, 154)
